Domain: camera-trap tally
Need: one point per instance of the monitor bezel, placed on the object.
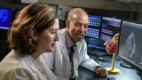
(134, 66)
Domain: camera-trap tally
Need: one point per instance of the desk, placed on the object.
(127, 74)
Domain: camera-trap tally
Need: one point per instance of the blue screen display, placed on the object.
(94, 20)
(106, 31)
(94, 33)
(105, 37)
(5, 19)
(110, 26)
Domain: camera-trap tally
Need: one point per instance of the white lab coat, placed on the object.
(15, 67)
(59, 62)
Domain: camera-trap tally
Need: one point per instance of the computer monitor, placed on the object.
(130, 44)
(94, 26)
(110, 26)
(5, 19)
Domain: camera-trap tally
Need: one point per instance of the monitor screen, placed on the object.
(91, 32)
(105, 37)
(106, 31)
(94, 26)
(5, 19)
(110, 26)
(130, 44)
(94, 21)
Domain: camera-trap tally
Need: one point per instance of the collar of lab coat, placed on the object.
(62, 34)
(30, 62)
(33, 66)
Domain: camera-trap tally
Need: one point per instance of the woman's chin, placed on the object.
(51, 50)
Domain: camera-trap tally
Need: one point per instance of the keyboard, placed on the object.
(111, 78)
(96, 53)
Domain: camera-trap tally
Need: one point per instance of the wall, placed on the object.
(95, 4)
(11, 4)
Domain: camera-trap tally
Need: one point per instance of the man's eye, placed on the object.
(77, 24)
(86, 26)
(53, 32)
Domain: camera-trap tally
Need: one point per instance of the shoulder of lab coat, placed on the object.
(82, 49)
(86, 61)
(10, 69)
(15, 67)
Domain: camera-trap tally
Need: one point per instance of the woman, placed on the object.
(33, 32)
(112, 44)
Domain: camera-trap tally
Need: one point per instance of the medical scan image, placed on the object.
(131, 45)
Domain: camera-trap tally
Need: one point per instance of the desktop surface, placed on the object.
(127, 74)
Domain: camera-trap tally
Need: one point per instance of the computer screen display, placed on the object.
(130, 44)
(91, 32)
(5, 19)
(106, 31)
(110, 26)
(110, 22)
(94, 26)
(105, 37)
(94, 21)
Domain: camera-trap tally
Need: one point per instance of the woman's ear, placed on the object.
(34, 35)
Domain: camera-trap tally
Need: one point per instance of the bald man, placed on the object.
(71, 50)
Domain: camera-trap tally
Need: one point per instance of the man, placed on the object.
(71, 50)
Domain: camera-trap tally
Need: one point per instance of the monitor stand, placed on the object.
(125, 65)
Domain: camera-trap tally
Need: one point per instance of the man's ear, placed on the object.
(34, 35)
(67, 23)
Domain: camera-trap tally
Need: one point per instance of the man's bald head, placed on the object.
(76, 11)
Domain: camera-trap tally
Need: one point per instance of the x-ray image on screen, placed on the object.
(131, 45)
